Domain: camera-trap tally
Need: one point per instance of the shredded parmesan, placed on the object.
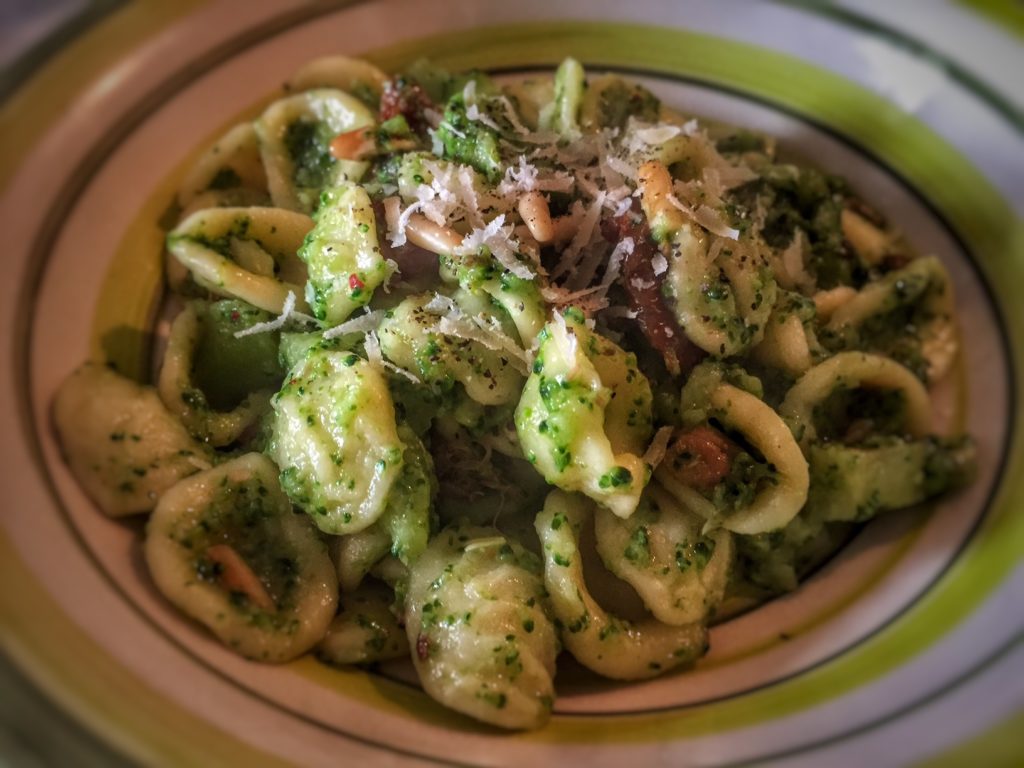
(360, 324)
(708, 218)
(497, 238)
(287, 313)
(623, 249)
(582, 237)
(371, 344)
(525, 177)
(656, 135)
(397, 219)
(452, 129)
(436, 145)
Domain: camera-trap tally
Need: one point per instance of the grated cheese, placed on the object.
(707, 217)
(655, 135)
(582, 237)
(371, 344)
(618, 255)
(287, 313)
(497, 238)
(436, 145)
(452, 129)
(360, 324)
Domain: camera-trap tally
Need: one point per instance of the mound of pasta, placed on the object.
(442, 340)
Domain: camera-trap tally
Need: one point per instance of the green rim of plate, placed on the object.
(976, 212)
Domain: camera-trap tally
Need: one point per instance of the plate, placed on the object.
(905, 647)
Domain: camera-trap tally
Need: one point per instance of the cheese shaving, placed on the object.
(287, 313)
(451, 129)
(656, 135)
(582, 237)
(708, 218)
(371, 344)
(623, 249)
(397, 222)
(525, 177)
(497, 238)
(360, 324)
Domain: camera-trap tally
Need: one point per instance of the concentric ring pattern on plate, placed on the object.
(911, 616)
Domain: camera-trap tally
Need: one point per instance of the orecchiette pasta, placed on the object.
(585, 416)
(295, 134)
(850, 370)
(482, 641)
(187, 399)
(122, 444)
(610, 646)
(342, 255)
(679, 573)
(336, 441)
(365, 630)
(245, 253)
(225, 547)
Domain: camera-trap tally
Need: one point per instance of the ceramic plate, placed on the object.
(903, 648)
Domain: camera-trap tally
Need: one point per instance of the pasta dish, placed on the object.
(440, 341)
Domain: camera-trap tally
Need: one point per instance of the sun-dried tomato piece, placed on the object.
(700, 457)
(655, 318)
(401, 97)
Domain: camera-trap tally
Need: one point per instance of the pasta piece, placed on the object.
(365, 631)
(342, 255)
(777, 560)
(121, 444)
(789, 342)
(679, 573)
(355, 554)
(609, 102)
(225, 547)
(722, 296)
(245, 253)
(355, 76)
(584, 418)
(335, 439)
(868, 241)
(562, 114)
(430, 336)
(924, 288)
(295, 135)
(213, 408)
(238, 197)
(408, 516)
(775, 502)
(233, 163)
(856, 483)
(852, 370)
(475, 619)
(606, 644)
(722, 301)
(521, 299)
(404, 527)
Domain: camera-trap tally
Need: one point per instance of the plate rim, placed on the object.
(1013, 435)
